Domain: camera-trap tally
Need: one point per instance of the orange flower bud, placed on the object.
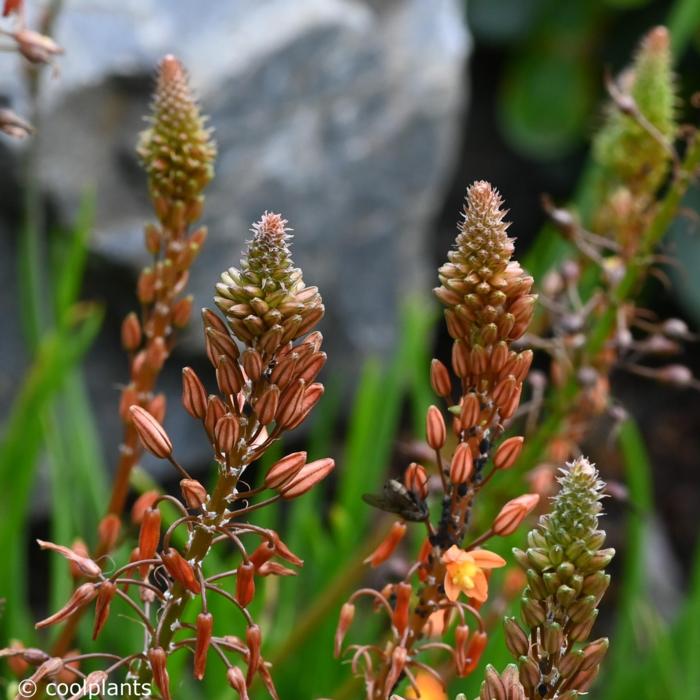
(460, 359)
(193, 493)
(236, 680)
(347, 615)
(142, 504)
(254, 642)
(252, 364)
(180, 569)
(415, 479)
(262, 553)
(149, 534)
(131, 332)
(388, 544)
(220, 343)
(152, 435)
(157, 659)
(308, 370)
(182, 310)
(156, 354)
(82, 596)
(290, 403)
(403, 592)
(216, 409)
(435, 430)
(203, 626)
(508, 452)
(513, 513)
(146, 286)
(474, 651)
(440, 378)
(512, 404)
(245, 583)
(471, 411)
(194, 397)
(266, 406)
(499, 356)
(226, 434)
(462, 464)
(105, 594)
(309, 475)
(284, 469)
(229, 376)
(108, 531)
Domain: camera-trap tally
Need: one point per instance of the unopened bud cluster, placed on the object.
(565, 568)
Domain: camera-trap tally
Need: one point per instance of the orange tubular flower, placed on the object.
(465, 572)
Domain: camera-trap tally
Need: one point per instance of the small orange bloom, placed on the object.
(465, 572)
(430, 688)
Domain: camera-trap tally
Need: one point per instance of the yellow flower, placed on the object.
(465, 572)
(430, 688)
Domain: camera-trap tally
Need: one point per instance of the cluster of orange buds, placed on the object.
(266, 386)
(488, 307)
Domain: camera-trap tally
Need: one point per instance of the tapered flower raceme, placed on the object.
(465, 572)
(266, 301)
(486, 294)
(565, 565)
(630, 146)
(177, 150)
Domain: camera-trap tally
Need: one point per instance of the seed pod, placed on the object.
(193, 493)
(157, 659)
(106, 592)
(203, 626)
(245, 583)
(347, 615)
(284, 469)
(194, 397)
(131, 332)
(440, 379)
(436, 432)
(309, 475)
(151, 433)
(181, 570)
(508, 452)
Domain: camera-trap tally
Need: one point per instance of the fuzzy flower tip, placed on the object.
(466, 572)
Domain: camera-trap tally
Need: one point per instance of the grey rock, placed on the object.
(341, 114)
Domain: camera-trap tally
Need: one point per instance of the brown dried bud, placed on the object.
(105, 594)
(435, 430)
(86, 565)
(508, 452)
(284, 469)
(462, 464)
(193, 493)
(245, 583)
(157, 659)
(181, 570)
(82, 596)
(347, 615)
(387, 545)
(236, 680)
(415, 478)
(309, 475)
(151, 433)
(440, 379)
(266, 406)
(254, 642)
(203, 626)
(513, 513)
(194, 397)
(131, 332)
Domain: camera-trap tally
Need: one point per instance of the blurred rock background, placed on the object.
(362, 121)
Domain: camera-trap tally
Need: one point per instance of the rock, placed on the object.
(343, 115)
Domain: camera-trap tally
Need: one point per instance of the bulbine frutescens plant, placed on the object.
(266, 357)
